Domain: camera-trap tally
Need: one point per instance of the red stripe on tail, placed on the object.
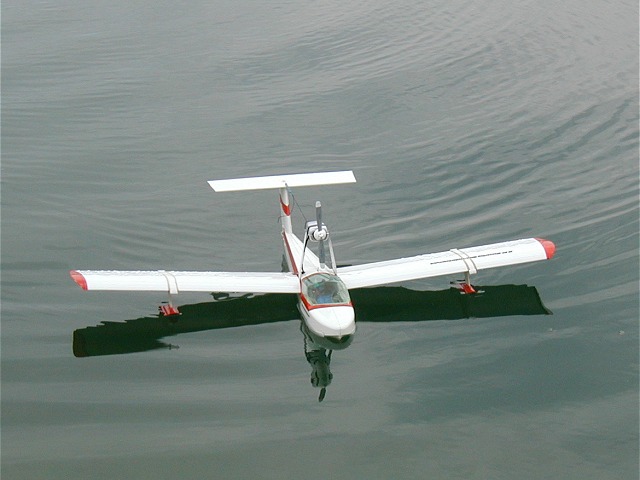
(285, 208)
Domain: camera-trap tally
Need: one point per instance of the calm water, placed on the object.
(465, 123)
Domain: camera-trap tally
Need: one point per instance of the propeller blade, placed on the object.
(321, 255)
(319, 213)
(323, 392)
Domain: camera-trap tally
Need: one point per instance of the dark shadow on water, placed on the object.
(379, 304)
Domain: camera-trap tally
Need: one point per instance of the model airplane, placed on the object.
(323, 289)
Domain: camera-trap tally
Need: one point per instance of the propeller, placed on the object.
(320, 234)
(316, 231)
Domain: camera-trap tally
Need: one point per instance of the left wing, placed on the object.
(175, 282)
(454, 261)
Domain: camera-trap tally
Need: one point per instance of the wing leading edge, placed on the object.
(176, 282)
(451, 262)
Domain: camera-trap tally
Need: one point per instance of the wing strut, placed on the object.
(465, 285)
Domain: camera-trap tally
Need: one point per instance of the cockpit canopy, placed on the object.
(325, 289)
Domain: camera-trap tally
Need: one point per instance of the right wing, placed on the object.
(450, 262)
(176, 282)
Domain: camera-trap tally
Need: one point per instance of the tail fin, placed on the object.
(283, 181)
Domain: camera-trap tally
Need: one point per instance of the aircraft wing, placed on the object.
(451, 262)
(176, 282)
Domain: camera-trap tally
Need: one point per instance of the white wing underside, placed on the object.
(454, 261)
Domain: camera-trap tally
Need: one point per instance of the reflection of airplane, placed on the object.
(323, 291)
(319, 360)
(377, 304)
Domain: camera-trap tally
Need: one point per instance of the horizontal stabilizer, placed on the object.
(454, 261)
(282, 181)
(176, 282)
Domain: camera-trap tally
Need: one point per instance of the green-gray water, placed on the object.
(465, 123)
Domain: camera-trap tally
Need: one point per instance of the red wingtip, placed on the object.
(79, 279)
(549, 247)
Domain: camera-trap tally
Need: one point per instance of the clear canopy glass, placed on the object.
(325, 289)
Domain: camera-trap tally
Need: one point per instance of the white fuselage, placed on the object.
(328, 316)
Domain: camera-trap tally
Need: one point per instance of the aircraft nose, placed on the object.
(334, 322)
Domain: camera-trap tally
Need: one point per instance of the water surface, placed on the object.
(464, 124)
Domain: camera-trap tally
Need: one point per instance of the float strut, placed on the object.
(167, 309)
(465, 285)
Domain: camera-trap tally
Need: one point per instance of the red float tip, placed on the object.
(79, 279)
(549, 247)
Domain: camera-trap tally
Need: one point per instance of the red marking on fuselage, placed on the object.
(311, 306)
(292, 260)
